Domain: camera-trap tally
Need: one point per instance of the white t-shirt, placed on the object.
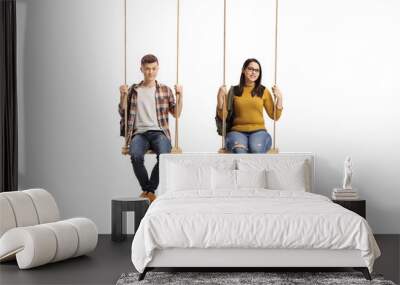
(146, 114)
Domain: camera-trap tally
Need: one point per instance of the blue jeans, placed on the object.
(248, 142)
(158, 142)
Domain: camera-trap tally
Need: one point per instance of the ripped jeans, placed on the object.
(248, 142)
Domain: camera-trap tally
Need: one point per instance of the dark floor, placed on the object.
(110, 260)
(103, 266)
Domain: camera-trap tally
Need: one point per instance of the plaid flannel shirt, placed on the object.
(165, 103)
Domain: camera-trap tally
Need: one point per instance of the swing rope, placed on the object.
(176, 148)
(125, 148)
(125, 42)
(223, 148)
(274, 149)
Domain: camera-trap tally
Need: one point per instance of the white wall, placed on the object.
(338, 68)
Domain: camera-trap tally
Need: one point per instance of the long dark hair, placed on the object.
(258, 89)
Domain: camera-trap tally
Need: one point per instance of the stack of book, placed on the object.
(344, 194)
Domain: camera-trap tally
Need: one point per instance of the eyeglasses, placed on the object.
(251, 69)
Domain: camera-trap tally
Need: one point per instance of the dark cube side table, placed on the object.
(119, 207)
(357, 206)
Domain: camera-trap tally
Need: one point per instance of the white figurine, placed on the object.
(348, 173)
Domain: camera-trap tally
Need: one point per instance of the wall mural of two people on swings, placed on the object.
(145, 108)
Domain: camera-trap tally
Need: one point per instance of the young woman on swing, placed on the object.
(243, 111)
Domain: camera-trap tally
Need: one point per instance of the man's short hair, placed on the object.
(149, 58)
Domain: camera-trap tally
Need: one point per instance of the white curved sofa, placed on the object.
(32, 233)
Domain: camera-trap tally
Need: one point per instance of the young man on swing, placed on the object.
(149, 105)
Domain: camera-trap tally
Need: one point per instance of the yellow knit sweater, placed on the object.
(249, 110)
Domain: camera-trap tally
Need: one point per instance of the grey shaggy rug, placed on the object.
(242, 278)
